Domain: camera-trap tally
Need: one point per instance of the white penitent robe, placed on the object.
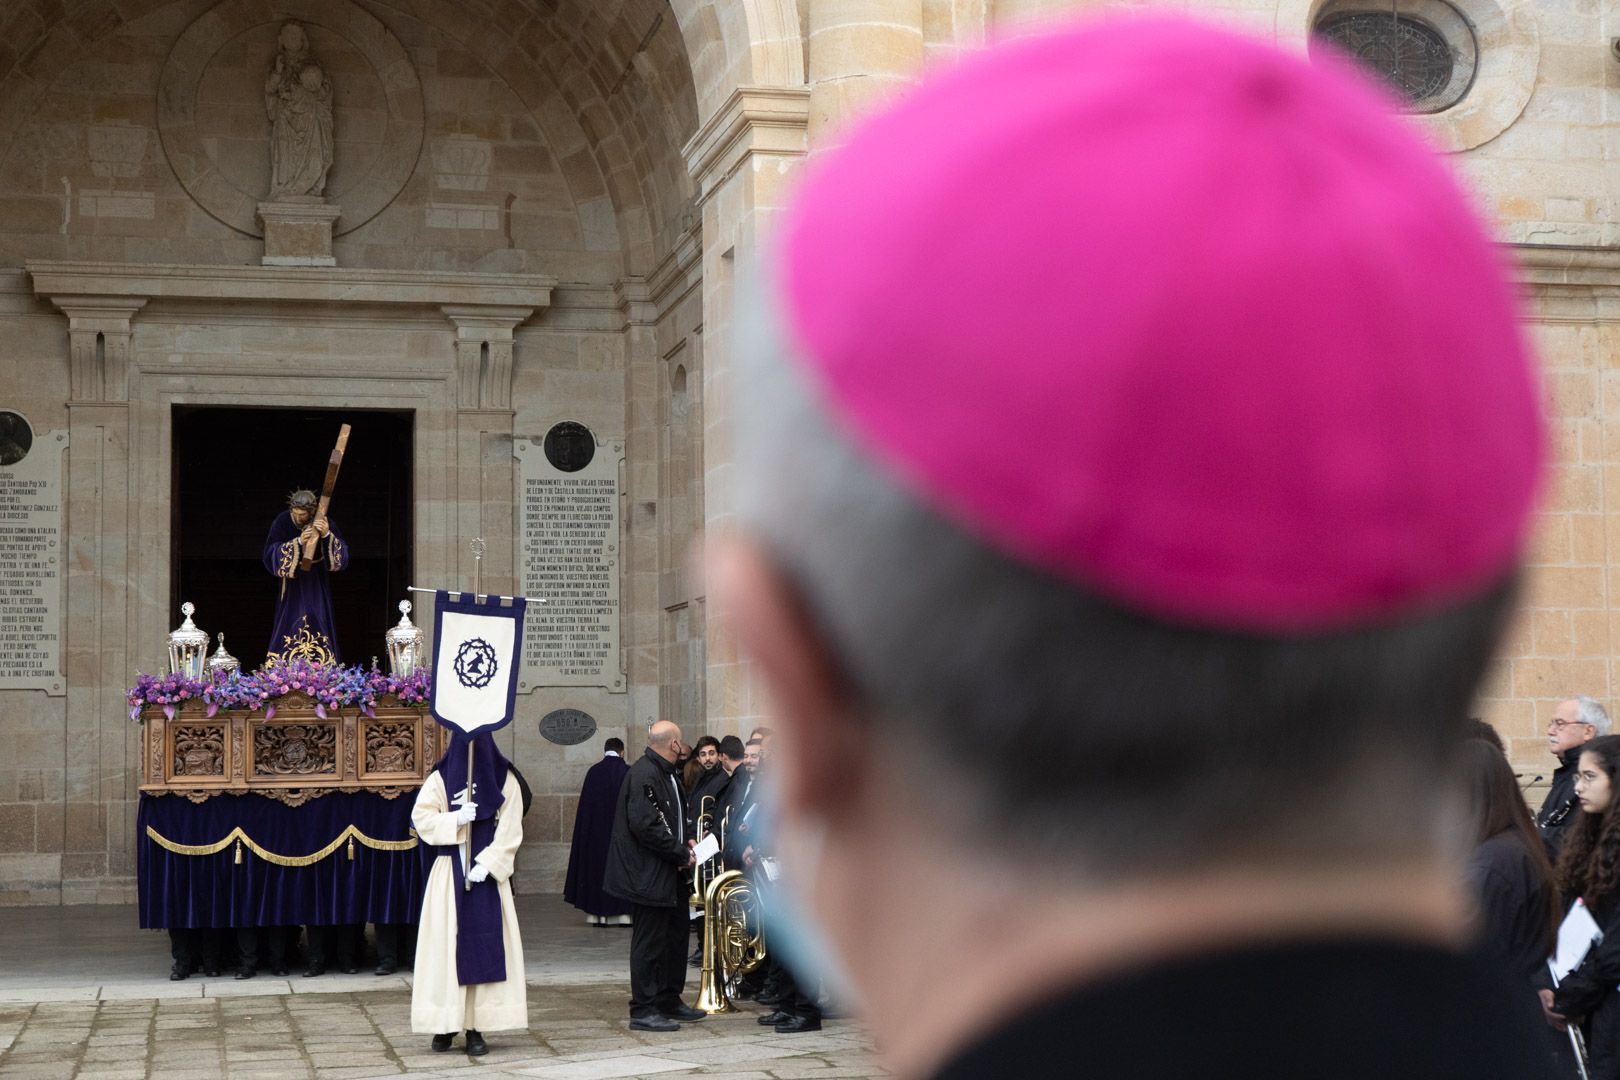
(440, 1004)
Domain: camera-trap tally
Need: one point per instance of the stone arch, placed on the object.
(733, 43)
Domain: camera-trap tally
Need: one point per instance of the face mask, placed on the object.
(789, 925)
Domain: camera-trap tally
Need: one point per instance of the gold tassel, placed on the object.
(239, 853)
(351, 848)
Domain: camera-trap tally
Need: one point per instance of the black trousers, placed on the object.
(657, 958)
(272, 939)
(333, 944)
(396, 943)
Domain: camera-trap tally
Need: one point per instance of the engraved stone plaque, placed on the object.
(566, 727)
(31, 556)
(568, 535)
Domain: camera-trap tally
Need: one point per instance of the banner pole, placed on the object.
(477, 546)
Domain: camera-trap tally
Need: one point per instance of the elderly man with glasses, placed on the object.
(1574, 723)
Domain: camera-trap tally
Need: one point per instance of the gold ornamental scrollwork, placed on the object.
(390, 747)
(199, 750)
(301, 749)
(156, 736)
(350, 741)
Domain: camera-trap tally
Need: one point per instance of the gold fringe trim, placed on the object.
(241, 839)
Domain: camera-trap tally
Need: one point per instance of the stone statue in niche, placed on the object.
(298, 99)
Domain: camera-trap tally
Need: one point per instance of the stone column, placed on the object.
(741, 159)
(96, 814)
(860, 53)
(638, 606)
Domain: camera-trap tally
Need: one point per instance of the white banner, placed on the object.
(475, 659)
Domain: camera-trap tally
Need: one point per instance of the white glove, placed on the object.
(478, 873)
(465, 815)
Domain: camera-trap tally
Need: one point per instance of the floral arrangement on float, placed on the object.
(331, 686)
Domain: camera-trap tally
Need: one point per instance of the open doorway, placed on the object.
(233, 470)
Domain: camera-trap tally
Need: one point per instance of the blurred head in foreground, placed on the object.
(1151, 398)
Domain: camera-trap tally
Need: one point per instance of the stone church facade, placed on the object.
(545, 210)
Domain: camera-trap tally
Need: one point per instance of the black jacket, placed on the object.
(742, 795)
(1511, 891)
(712, 783)
(644, 857)
(1348, 1010)
(1588, 993)
(1558, 808)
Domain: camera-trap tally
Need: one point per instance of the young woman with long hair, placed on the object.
(1589, 868)
(1511, 875)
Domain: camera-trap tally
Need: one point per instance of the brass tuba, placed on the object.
(733, 941)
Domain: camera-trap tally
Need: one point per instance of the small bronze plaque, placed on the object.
(566, 727)
(569, 446)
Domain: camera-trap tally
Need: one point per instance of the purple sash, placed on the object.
(480, 941)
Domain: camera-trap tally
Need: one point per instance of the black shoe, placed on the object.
(799, 1023)
(211, 971)
(771, 1019)
(279, 969)
(683, 1011)
(441, 1043)
(179, 971)
(351, 968)
(387, 967)
(244, 973)
(314, 971)
(653, 1023)
(744, 993)
(476, 1046)
(696, 959)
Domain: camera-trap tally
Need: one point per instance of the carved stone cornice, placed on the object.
(766, 120)
(289, 284)
(1545, 264)
(1568, 283)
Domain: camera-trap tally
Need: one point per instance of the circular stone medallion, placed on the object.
(215, 127)
(567, 727)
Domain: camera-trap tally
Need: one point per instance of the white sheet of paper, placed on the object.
(1578, 933)
(769, 865)
(707, 848)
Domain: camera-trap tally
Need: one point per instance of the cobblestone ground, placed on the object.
(575, 1033)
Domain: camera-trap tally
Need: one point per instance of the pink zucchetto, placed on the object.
(1196, 324)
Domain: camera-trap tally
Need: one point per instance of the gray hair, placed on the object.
(302, 499)
(1161, 748)
(1590, 712)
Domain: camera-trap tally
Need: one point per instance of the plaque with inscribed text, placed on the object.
(568, 544)
(31, 558)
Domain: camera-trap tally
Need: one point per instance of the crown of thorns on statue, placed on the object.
(302, 499)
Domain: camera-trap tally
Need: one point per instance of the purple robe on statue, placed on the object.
(304, 626)
(593, 825)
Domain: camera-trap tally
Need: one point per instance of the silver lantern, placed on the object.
(405, 652)
(188, 646)
(222, 662)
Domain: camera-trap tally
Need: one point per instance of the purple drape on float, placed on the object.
(215, 890)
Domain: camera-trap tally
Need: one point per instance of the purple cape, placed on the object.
(593, 829)
(304, 626)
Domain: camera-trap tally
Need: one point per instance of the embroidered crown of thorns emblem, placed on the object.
(475, 663)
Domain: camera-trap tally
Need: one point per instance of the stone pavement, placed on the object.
(83, 994)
